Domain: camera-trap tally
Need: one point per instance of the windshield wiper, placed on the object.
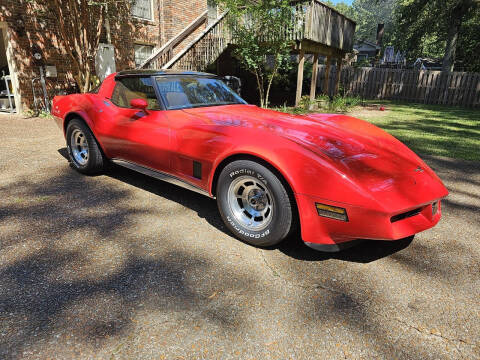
(205, 105)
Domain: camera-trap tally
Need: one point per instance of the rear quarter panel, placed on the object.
(85, 106)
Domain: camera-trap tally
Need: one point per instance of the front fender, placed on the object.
(305, 171)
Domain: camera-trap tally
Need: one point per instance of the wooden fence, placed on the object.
(422, 86)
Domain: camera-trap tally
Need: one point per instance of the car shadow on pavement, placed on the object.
(70, 272)
(363, 252)
(205, 207)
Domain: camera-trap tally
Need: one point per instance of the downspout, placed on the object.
(107, 26)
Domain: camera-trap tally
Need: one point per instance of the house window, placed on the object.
(362, 57)
(143, 9)
(142, 53)
(212, 8)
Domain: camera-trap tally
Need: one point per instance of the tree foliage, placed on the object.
(434, 27)
(368, 14)
(468, 47)
(259, 31)
(437, 29)
(80, 24)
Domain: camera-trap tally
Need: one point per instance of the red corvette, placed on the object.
(334, 177)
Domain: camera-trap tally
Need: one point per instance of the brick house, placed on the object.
(24, 31)
(174, 34)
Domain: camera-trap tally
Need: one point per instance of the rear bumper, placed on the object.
(58, 121)
(363, 223)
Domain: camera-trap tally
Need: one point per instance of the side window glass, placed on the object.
(127, 89)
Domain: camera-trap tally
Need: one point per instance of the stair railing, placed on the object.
(165, 53)
(204, 49)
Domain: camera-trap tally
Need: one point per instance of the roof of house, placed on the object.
(366, 42)
(148, 72)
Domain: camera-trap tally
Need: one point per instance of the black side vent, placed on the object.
(405, 215)
(197, 170)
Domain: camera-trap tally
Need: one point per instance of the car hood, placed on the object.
(361, 151)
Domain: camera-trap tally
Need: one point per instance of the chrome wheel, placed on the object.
(250, 203)
(79, 147)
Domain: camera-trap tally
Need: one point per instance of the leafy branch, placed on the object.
(261, 31)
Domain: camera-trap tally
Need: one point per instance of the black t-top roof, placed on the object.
(146, 72)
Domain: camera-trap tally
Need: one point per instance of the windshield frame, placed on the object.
(177, 76)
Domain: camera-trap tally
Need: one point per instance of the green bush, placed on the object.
(343, 103)
(323, 103)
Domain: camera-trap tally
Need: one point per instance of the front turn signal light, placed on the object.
(332, 212)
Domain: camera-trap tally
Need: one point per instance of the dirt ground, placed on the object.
(122, 266)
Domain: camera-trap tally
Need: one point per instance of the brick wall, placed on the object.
(26, 33)
(29, 28)
(178, 14)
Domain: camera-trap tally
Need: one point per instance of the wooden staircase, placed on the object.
(203, 50)
(317, 28)
(163, 55)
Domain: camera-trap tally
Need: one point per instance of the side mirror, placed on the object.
(233, 83)
(140, 104)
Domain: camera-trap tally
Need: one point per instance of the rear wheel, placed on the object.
(83, 150)
(254, 203)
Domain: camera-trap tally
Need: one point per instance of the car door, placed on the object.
(195, 140)
(138, 136)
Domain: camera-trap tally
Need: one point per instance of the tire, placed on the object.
(83, 150)
(254, 203)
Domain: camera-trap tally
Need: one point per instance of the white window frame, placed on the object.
(152, 12)
(212, 8)
(135, 52)
(12, 66)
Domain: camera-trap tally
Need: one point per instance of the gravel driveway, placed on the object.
(122, 266)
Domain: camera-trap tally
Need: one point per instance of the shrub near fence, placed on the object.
(422, 86)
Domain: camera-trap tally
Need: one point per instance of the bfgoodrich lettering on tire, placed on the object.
(254, 203)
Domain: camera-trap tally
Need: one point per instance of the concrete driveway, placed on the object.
(122, 266)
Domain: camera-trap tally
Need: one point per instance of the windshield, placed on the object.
(182, 92)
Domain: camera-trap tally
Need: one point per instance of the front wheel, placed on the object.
(254, 203)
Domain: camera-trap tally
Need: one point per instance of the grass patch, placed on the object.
(428, 129)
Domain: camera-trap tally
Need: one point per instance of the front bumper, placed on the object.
(363, 223)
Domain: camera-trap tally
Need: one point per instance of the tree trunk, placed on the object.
(451, 48)
(260, 87)
(86, 85)
(456, 18)
(270, 80)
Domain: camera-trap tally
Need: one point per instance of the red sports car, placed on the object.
(332, 177)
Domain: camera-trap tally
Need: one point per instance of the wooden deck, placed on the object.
(324, 26)
(318, 28)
